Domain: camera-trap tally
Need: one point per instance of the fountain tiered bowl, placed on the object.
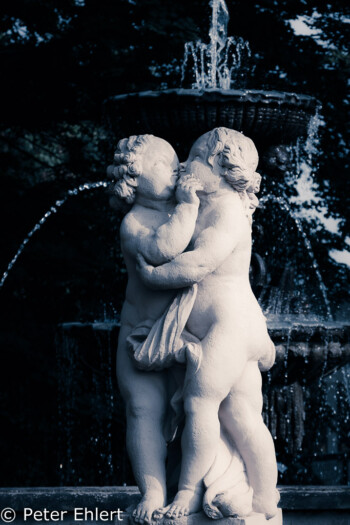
(268, 117)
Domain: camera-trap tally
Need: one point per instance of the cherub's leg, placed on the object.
(145, 395)
(204, 392)
(240, 413)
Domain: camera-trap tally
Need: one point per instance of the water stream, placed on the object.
(70, 193)
(284, 206)
(215, 64)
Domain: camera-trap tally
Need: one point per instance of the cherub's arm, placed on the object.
(173, 237)
(212, 247)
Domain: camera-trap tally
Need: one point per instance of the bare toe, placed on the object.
(135, 514)
(143, 513)
(171, 512)
(159, 513)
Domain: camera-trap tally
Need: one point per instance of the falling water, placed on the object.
(111, 400)
(91, 413)
(70, 193)
(214, 64)
(283, 204)
(312, 139)
(322, 397)
(285, 359)
(304, 156)
(307, 196)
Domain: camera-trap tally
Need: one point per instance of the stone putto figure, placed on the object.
(159, 227)
(190, 320)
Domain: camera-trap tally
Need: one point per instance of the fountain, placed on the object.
(312, 349)
(310, 345)
(268, 117)
(215, 64)
(290, 287)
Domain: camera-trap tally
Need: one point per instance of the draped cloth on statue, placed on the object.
(167, 342)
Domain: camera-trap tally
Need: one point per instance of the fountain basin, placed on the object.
(304, 350)
(268, 117)
(90, 437)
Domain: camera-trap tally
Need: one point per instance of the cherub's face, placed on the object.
(160, 169)
(197, 164)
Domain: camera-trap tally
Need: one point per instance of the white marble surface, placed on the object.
(186, 241)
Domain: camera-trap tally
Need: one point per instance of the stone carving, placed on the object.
(193, 336)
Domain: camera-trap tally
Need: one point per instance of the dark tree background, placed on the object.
(60, 61)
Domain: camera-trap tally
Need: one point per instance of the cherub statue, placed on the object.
(159, 225)
(223, 387)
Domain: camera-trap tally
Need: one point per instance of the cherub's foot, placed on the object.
(159, 513)
(266, 504)
(186, 502)
(143, 512)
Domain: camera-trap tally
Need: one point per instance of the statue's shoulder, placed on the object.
(135, 223)
(130, 225)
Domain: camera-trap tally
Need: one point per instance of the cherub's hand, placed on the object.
(186, 190)
(144, 269)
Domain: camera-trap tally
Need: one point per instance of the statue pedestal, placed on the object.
(202, 519)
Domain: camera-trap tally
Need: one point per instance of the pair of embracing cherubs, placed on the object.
(187, 245)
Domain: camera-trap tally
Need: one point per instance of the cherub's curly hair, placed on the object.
(127, 167)
(238, 157)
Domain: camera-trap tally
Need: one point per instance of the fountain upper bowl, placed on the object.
(268, 117)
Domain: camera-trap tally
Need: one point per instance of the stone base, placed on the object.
(199, 518)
